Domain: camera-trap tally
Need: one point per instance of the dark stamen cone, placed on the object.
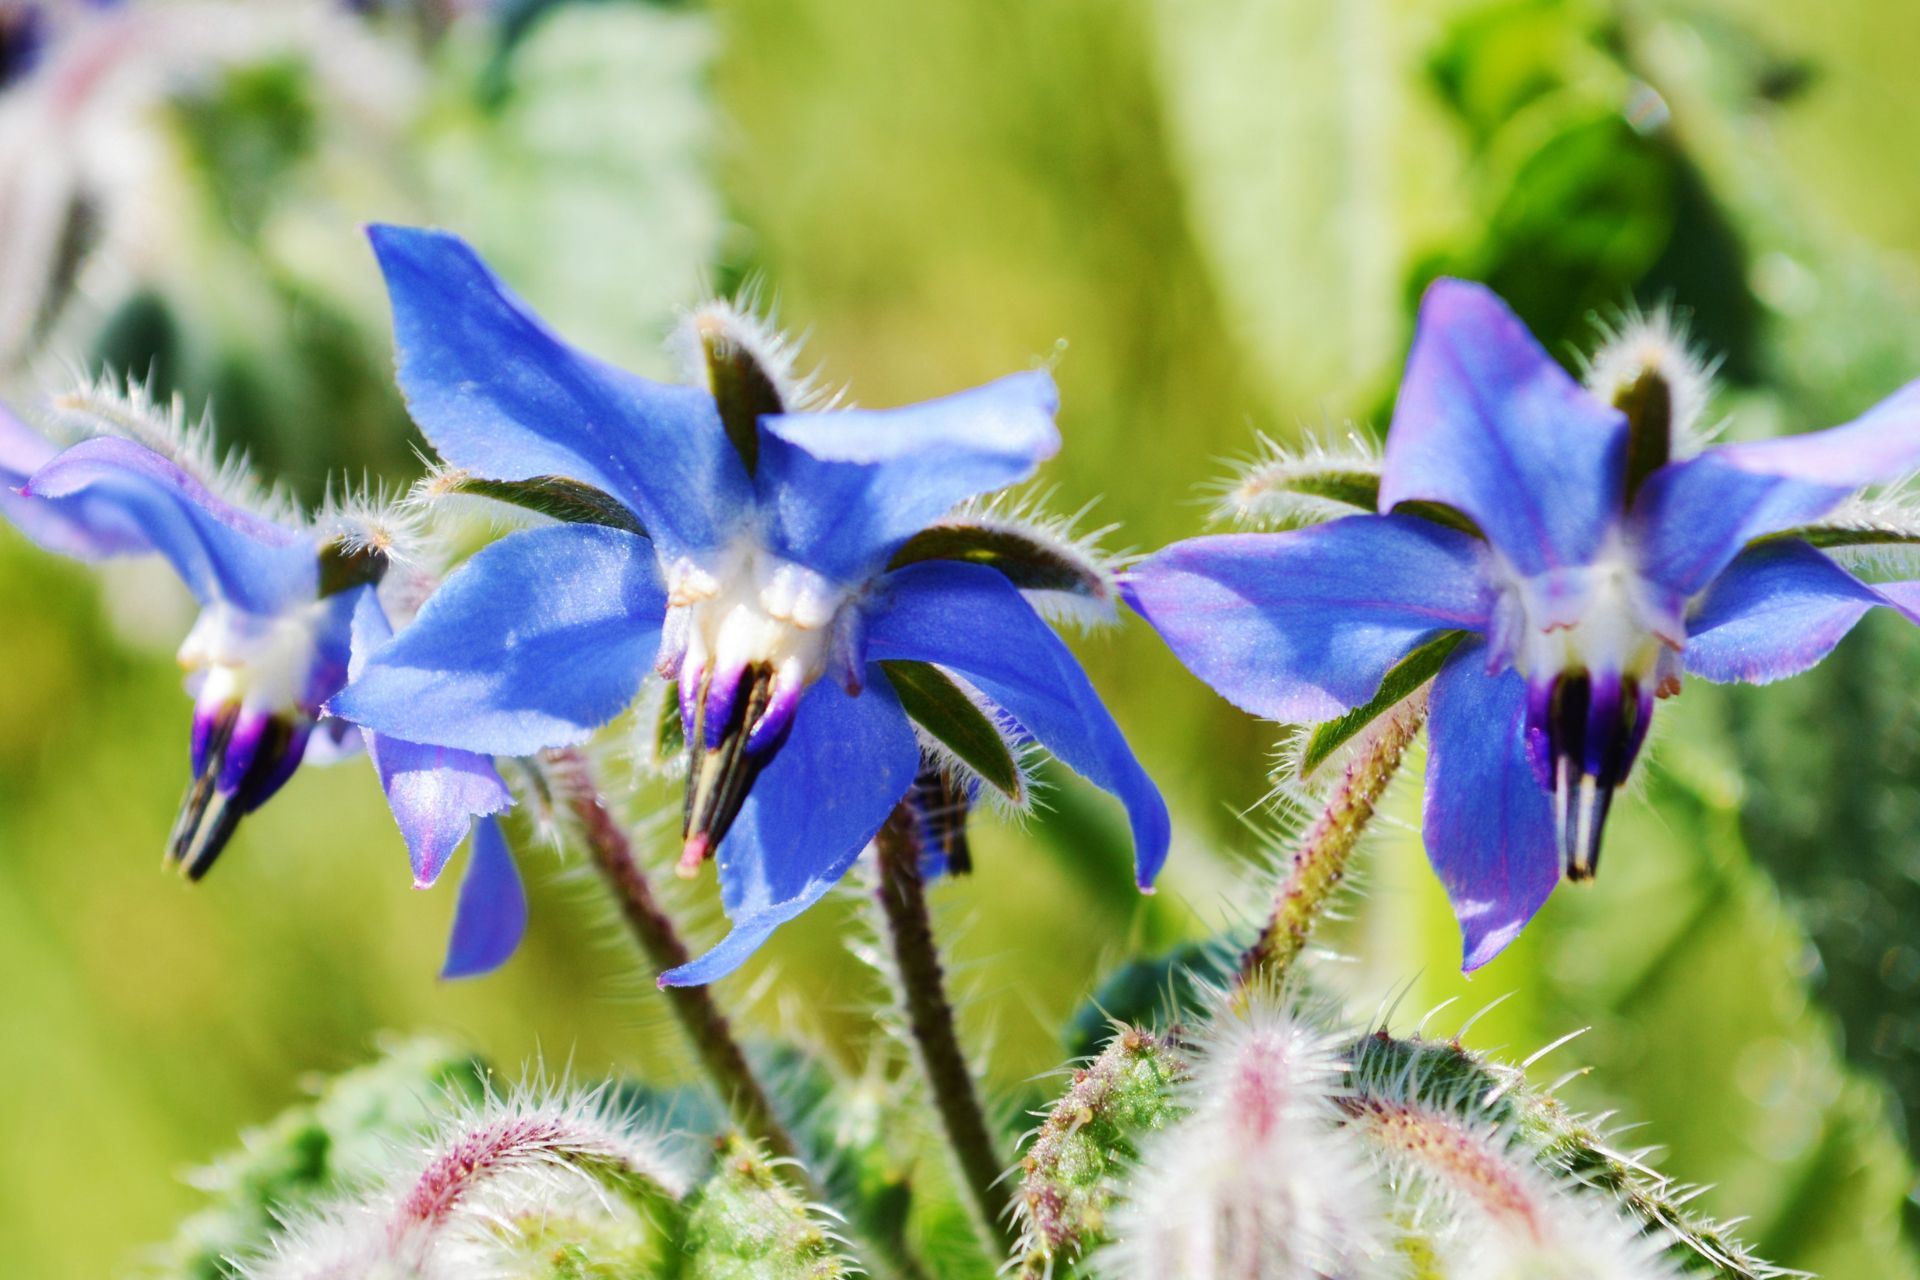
(720, 776)
(239, 772)
(211, 755)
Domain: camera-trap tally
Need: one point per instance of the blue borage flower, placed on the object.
(745, 548)
(1544, 549)
(288, 607)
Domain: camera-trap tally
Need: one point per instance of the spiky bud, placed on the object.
(509, 1186)
(1089, 1138)
(1261, 1177)
(744, 1224)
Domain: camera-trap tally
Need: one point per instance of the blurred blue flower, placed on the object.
(286, 610)
(1583, 569)
(747, 565)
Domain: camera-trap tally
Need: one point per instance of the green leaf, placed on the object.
(939, 706)
(555, 496)
(1028, 562)
(1316, 300)
(1407, 675)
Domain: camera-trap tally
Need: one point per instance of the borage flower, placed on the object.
(286, 606)
(1551, 553)
(791, 570)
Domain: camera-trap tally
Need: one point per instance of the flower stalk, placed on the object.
(1320, 862)
(694, 1007)
(921, 989)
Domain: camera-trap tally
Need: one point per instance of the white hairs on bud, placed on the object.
(1261, 1178)
(111, 406)
(750, 324)
(1886, 524)
(1283, 487)
(370, 517)
(1021, 513)
(543, 1150)
(1639, 342)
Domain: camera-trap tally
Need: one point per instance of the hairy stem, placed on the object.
(902, 894)
(1320, 862)
(699, 1016)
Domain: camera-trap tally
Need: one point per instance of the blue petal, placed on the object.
(83, 526)
(1487, 422)
(971, 619)
(535, 642)
(1301, 626)
(221, 552)
(1778, 609)
(1692, 518)
(1488, 822)
(844, 489)
(825, 794)
(491, 917)
(498, 393)
(434, 792)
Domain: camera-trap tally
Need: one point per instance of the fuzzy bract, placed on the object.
(284, 615)
(737, 545)
(1588, 563)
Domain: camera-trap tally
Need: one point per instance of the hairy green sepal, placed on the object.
(1026, 562)
(1406, 676)
(939, 706)
(565, 500)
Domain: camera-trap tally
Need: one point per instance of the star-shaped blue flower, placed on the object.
(1581, 569)
(749, 553)
(286, 611)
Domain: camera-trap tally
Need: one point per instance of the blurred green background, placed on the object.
(1213, 218)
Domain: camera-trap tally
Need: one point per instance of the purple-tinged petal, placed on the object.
(491, 916)
(821, 799)
(435, 793)
(221, 552)
(1692, 518)
(333, 740)
(969, 618)
(1488, 823)
(535, 642)
(1302, 626)
(1489, 423)
(500, 394)
(84, 527)
(1778, 609)
(844, 489)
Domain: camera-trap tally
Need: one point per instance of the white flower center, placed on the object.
(262, 663)
(754, 609)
